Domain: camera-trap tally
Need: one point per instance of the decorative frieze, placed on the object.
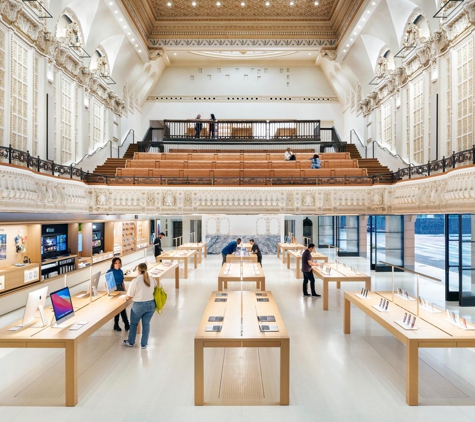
(22, 190)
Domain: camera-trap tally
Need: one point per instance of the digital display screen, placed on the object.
(62, 243)
(96, 235)
(62, 305)
(49, 244)
(110, 281)
(96, 243)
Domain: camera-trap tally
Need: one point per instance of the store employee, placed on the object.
(158, 244)
(255, 249)
(230, 248)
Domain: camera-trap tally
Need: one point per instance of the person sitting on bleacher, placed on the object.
(316, 162)
(289, 155)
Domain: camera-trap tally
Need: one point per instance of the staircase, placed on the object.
(372, 165)
(112, 164)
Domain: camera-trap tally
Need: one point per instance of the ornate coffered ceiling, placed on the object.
(178, 23)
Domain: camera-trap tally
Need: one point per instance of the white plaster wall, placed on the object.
(240, 225)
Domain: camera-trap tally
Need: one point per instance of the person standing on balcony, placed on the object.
(212, 126)
(198, 126)
(316, 162)
(289, 155)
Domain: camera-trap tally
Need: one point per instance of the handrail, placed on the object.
(365, 147)
(103, 146)
(411, 271)
(397, 156)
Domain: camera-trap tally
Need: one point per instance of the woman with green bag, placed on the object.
(141, 290)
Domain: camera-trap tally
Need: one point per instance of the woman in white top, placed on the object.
(141, 291)
(289, 155)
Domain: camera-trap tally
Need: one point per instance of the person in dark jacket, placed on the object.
(198, 126)
(212, 126)
(255, 249)
(230, 248)
(307, 264)
(116, 270)
(158, 245)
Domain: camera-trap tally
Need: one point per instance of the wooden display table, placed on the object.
(297, 255)
(246, 245)
(245, 258)
(158, 271)
(200, 247)
(339, 274)
(180, 256)
(232, 272)
(433, 331)
(97, 313)
(251, 336)
(283, 247)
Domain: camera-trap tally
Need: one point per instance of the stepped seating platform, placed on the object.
(225, 156)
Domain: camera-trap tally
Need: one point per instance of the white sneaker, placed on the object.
(143, 347)
(126, 343)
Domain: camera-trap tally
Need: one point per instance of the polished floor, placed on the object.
(333, 377)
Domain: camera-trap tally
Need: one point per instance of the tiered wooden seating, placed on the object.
(239, 151)
(234, 168)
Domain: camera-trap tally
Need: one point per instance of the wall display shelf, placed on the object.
(14, 276)
(102, 257)
(84, 262)
(54, 267)
(128, 237)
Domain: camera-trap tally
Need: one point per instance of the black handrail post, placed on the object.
(366, 151)
(27, 158)
(133, 180)
(52, 167)
(38, 164)
(87, 176)
(10, 154)
(443, 164)
(453, 159)
(110, 148)
(71, 171)
(373, 148)
(473, 154)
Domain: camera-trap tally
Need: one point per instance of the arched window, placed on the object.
(68, 31)
(99, 65)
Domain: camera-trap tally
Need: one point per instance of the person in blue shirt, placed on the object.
(316, 162)
(230, 248)
(119, 282)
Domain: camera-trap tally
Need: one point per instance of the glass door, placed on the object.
(326, 231)
(387, 241)
(347, 233)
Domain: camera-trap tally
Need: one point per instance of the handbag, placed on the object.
(160, 297)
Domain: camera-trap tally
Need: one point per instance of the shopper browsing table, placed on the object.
(255, 249)
(230, 248)
(307, 264)
(141, 291)
(116, 270)
(158, 245)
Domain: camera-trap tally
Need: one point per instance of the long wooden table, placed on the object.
(252, 271)
(339, 274)
(283, 247)
(297, 255)
(433, 331)
(99, 312)
(159, 271)
(246, 258)
(200, 247)
(251, 336)
(180, 256)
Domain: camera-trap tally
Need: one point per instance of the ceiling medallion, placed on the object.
(243, 55)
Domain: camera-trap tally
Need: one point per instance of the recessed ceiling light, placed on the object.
(354, 33)
(169, 4)
(218, 3)
(291, 3)
(373, 3)
(267, 3)
(363, 19)
(140, 51)
(125, 26)
(359, 26)
(116, 11)
(120, 19)
(133, 39)
(316, 3)
(136, 45)
(111, 3)
(368, 11)
(344, 51)
(193, 3)
(309, 54)
(243, 4)
(347, 45)
(351, 39)
(174, 54)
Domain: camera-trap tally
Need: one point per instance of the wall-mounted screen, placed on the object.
(61, 242)
(96, 243)
(50, 244)
(96, 235)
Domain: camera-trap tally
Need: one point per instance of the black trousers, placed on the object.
(306, 277)
(123, 313)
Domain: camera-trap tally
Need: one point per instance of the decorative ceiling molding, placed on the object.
(234, 98)
(243, 55)
(241, 43)
(24, 190)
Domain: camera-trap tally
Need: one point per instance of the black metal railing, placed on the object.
(242, 129)
(15, 156)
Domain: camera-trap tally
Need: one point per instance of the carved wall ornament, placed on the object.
(155, 53)
(469, 8)
(382, 67)
(329, 54)
(411, 35)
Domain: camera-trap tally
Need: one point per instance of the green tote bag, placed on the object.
(160, 297)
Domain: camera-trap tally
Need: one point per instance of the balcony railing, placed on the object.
(242, 129)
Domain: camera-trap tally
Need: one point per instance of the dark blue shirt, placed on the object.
(118, 276)
(230, 248)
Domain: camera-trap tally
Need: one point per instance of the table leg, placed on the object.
(206, 251)
(199, 373)
(347, 317)
(177, 277)
(278, 251)
(325, 295)
(283, 256)
(263, 284)
(71, 361)
(195, 260)
(412, 372)
(288, 261)
(368, 284)
(338, 284)
(285, 372)
(186, 269)
(225, 284)
(297, 265)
